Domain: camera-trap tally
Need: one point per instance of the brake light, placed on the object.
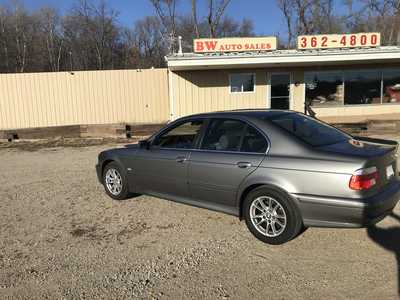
(364, 179)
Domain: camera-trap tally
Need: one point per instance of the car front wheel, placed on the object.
(114, 181)
(271, 216)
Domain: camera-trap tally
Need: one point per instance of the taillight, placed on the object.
(364, 179)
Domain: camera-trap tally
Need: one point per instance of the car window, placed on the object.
(309, 130)
(223, 135)
(253, 141)
(181, 137)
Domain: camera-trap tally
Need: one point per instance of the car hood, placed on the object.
(132, 146)
(357, 148)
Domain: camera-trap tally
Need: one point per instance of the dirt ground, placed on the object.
(61, 237)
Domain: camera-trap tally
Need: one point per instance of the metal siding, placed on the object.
(204, 91)
(92, 97)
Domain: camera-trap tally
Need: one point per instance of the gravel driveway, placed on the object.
(62, 238)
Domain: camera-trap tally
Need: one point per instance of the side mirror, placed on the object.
(144, 144)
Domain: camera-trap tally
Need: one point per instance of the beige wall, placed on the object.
(357, 110)
(130, 96)
(93, 97)
(205, 91)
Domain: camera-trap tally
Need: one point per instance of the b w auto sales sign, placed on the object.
(235, 44)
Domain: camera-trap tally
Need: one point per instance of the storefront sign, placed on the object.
(235, 44)
(327, 41)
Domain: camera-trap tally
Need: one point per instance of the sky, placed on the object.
(265, 14)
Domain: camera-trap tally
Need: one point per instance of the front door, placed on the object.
(230, 151)
(162, 169)
(280, 91)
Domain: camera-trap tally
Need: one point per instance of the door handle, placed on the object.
(244, 164)
(181, 159)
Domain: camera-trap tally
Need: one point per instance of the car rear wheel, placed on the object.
(271, 216)
(115, 182)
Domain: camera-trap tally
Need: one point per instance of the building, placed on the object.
(344, 78)
(357, 81)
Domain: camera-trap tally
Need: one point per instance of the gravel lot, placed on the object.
(62, 238)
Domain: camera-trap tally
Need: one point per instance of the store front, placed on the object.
(358, 80)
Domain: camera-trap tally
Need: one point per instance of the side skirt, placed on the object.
(230, 210)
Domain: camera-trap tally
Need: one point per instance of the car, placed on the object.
(281, 171)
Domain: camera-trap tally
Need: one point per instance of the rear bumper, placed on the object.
(344, 212)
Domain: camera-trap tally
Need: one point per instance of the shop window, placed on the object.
(391, 86)
(362, 87)
(324, 88)
(240, 83)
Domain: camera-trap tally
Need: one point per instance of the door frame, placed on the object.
(269, 75)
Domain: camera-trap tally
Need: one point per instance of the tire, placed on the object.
(271, 216)
(115, 181)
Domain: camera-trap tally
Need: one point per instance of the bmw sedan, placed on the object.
(280, 171)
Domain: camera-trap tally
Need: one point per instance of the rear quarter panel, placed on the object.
(322, 177)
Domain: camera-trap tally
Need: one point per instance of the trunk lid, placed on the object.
(378, 153)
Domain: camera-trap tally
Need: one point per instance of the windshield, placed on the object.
(309, 130)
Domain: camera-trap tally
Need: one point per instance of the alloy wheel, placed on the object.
(268, 216)
(113, 181)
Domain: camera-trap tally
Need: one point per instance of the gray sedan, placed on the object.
(280, 171)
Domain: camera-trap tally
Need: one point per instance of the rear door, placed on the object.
(230, 150)
(162, 169)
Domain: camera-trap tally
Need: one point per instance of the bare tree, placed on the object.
(149, 42)
(92, 34)
(20, 23)
(50, 30)
(166, 11)
(376, 15)
(216, 10)
(194, 16)
(309, 17)
(4, 36)
(286, 6)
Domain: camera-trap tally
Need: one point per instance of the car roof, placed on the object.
(265, 113)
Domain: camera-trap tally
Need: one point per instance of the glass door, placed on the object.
(280, 90)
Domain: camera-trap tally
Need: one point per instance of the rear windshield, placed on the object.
(309, 130)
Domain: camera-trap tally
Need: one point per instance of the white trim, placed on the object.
(242, 92)
(293, 58)
(171, 96)
(268, 80)
(291, 90)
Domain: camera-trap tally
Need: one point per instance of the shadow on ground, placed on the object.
(389, 239)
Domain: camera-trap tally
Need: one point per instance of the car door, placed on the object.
(161, 170)
(230, 150)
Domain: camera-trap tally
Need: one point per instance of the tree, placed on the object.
(166, 11)
(149, 42)
(309, 17)
(215, 12)
(91, 35)
(194, 16)
(20, 24)
(286, 6)
(4, 39)
(386, 17)
(50, 29)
